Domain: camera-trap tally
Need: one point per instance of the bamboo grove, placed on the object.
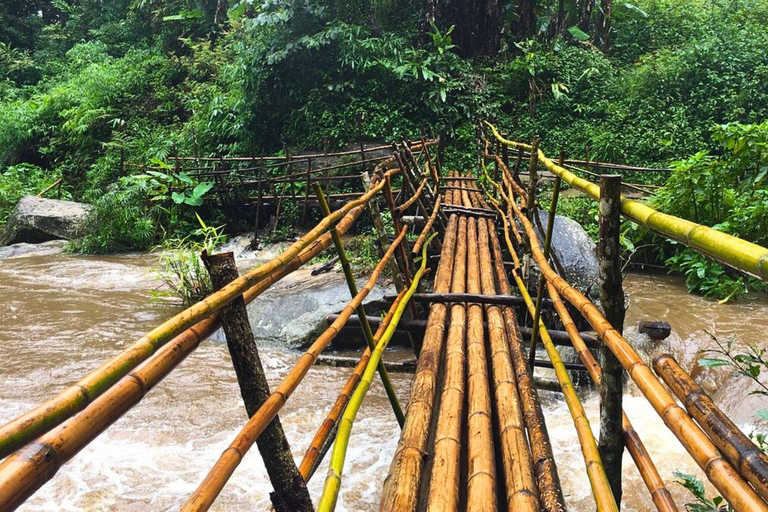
(473, 432)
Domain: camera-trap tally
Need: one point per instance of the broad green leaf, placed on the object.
(202, 188)
(178, 198)
(712, 363)
(193, 201)
(762, 414)
(578, 34)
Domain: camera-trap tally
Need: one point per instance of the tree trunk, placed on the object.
(290, 490)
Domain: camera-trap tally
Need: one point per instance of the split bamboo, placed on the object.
(20, 476)
(739, 449)
(718, 470)
(444, 480)
(725, 248)
(210, 488)
(401, 487)
(75, 398)
(314, 454)
(333, 481)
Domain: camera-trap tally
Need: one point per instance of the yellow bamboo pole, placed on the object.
(427, 227)
(75, 398)
(212, 485)
(659, 492)
(725, 248)
(444, 480)
(22, 474)
(718, 470)
(315, 451)
(401, 487)
(333, 481)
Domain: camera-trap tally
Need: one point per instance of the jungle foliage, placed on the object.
(85, 85)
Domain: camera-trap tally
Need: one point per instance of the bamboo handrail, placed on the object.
(315, 451)
(427, 227)
(728, 249)
(333, 481)
(21, 475)
(403, 482)
(413, 198)
(601, 489)
(73, 399)
(739, 449)
(650, 475)
(718, 470)
(212, 485)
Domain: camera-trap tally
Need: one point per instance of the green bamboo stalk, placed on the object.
(333, 481)
(728, 249)
(367, 331)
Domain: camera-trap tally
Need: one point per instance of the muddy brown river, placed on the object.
(61, 316)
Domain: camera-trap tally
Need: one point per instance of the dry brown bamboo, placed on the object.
(413, 198)
(739, 449)
(21, 475)
(75, 398)
(544, 467)
(314, 453)
(401, 487)
(521, 490)
(444, 480)
(718, 470)
(659, 492)
(427, 227)
(210, 488)
(481, 473)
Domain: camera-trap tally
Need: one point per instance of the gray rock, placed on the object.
(24, 249)
(36, 219)
(656, 330)
(575, 250)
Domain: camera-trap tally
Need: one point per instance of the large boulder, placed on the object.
(36, 219)
(575, 250)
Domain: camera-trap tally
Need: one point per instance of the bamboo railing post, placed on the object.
(290, 490)
(611, 443)
(547, 245)
(381, 232)
(360, 309)
(306, 191)
(532, 179)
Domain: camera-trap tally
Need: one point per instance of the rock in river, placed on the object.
(36, 219)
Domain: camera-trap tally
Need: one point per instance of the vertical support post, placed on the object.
(378, 224)
(440, 151)
(547, 246)
(518, 164)
(611, 442)
(306, 191)
(505, 155)
(367, 331)
(290, 490)
(532, 179)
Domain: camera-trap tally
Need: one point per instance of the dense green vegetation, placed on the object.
(85, 83)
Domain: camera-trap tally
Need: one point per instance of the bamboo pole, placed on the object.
(544, 467)
(413, 198)
(601, 489)
(367, 331)
(210, 488)
(326, 432)
(402, 485)
(75, 398)
(659, 492)
(718, 470)
(338, 456)
(521, 490)
(444, 480)
(20, 476)
(739, 449)
(427, 227)
(725, 248)
(481, 474)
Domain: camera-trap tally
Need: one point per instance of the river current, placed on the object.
(62, 316)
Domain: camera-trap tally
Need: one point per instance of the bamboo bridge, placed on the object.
(474, 435)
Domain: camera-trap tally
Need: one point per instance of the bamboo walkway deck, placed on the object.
(473, 434)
